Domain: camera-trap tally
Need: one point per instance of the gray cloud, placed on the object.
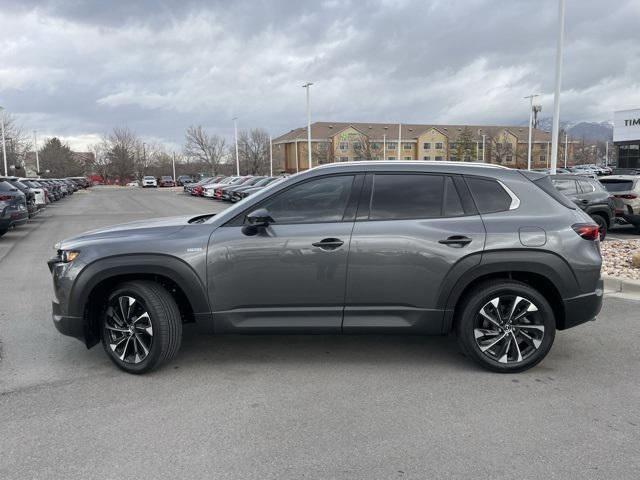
(77, 68)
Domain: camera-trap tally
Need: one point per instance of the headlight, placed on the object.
(67, 256)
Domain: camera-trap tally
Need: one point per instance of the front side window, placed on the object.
(397, 197)
(489, 195)
(315, 201)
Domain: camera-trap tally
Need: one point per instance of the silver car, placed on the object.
(494, 255)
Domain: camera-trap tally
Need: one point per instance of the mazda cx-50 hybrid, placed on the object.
(496, 256)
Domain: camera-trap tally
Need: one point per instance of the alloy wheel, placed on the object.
(509, 329)
(128, 328)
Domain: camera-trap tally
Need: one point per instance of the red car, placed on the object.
(166, 181)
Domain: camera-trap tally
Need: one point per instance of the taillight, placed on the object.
(587, 231)
(627, 196)
(4, 198)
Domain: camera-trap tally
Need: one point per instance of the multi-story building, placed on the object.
(342, 142)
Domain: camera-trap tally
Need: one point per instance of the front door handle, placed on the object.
(456, 241)
(329, 243)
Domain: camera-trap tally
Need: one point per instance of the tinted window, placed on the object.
(452, 203)
(398, 197)
(488, 195)
(618, 185)
(6, 187)
(566, 186)
(320, 200)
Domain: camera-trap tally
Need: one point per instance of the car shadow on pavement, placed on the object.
(319, 349)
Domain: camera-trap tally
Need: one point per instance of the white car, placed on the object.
(133, 184)
(149, 181)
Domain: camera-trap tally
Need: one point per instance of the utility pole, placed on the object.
(530, 97)
(35, 147)
(606, 153)
(384, 146)
(235, 129)
(174, 168)
(308, 87)
(566, 148)
(297, 162)
(399, 139)
(270, 156)
(483, 147)
(556, 96)
(4, 147)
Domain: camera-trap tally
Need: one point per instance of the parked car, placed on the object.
(590, 196)
(208, 189)
(30, 198)
(149, 181)
(496, 255)
(167, 181)
(226, 192)
(13, 207)
(626, 196)
(38, 191)
(244, 191)
(133, 184)
(184, 179)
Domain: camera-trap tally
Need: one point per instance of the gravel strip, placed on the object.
(616, 258)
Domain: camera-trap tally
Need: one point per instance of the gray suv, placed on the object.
(495, 255)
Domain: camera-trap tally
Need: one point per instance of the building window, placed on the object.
(480, 145)
(542, 146)
(453, 158)
(438, 145)
(408, 158)
(407, 146)
(357, 159)
(375, 158)
(344, 145)
(438, 158)
(426, 157)
(426, 145)
(321, 147)
(453, 145)
(543, 158)
(344, 159)
(391, 146)
(375, 146)
(392, 158)
(467, 158)
(509, 158)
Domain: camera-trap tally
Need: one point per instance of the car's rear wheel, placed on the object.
(141, 326)
(505, 326)
(602, 225)
(2, 232)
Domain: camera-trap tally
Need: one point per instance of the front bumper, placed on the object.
(582, 308)
(65, 324)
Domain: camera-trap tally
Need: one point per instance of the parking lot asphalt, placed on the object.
(280, 407)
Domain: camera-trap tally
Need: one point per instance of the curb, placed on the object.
(621, 285)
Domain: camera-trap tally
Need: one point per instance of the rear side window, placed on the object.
(618, 185)
(566, 186)
(489, 195)
(544, 183)
(398, 197)
(586, 186)
(6, 186)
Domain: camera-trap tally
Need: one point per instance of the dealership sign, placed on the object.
(626, 125)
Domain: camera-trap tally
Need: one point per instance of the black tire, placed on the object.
(538, 325)
(2, 232)
(163, 319)
(602, 225)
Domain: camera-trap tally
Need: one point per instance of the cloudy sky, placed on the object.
(76, 68)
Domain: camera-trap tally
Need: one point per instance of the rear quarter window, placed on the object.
(489, 195)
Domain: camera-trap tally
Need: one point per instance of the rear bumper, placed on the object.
(582, 308)
(67, 325)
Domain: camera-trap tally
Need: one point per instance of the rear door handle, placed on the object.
(329, 243)
(456, 241)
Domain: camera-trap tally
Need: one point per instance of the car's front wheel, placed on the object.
(141, 326)
(505, 326)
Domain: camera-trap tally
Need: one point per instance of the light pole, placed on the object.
(399, 139)
(556, 95)
(174, 168)
(566, 148)
(606, 153)
(308, 87)
(297, 161)
(35, 147)
(4, 147)
(530, 97)
(235, 129)
(270, 156)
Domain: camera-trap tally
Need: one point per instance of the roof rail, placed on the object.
(414, 162)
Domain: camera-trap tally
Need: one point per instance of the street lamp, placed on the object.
(35, 147)
(235, 129)
(4, 148)
(530, 97)
(308, 87)
(556, 95)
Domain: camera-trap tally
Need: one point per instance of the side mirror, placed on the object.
(260, 218)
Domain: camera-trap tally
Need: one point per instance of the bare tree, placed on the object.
(122, 144)
(253, 150)
(500, 147)
(362, 147)
(18, 143)
(204, 148)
